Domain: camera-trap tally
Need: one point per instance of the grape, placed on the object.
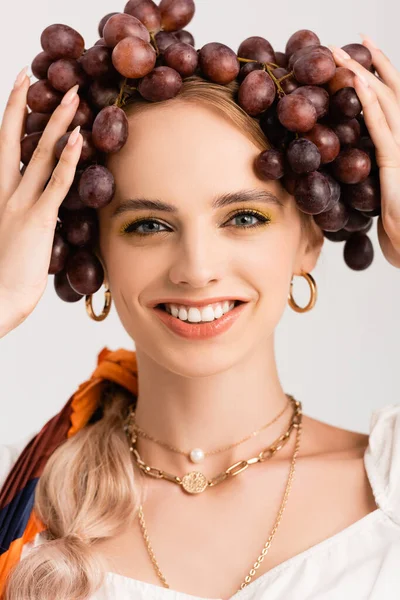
(61, 41)
(248, 68)
(64, 73)
(59, 254)
(161, 83)
(360, 53)
(367, 145)
(281, 59)
(256, 93)
(312, 193)
(28, 146)
(275, 132)
(84, 116)
(270, 164)
(36, 121)
(40, 65)
(63, 288)
(289, 180)
(352, 166)
(326, 141)
(345, 104)
(335, 189)
(303, 156)
(100, 42)
(110, 129)
(85, 273)
(182, 57)
(218, 62)
(72, 200)
(164, 39)
(343, 77)
(357, 221)
(97, 62)
(333, 219)
(373, 213)
(81, 227)
(121, 26)
(185, 36)
(42, 97)
(147, 12)
(364, 196)
(101, 94)
(358, 252)
(318, 97)
(257, 48)
(289, 84)
(296, 113)
(96, 186)
(301, 39)
(176, 14)
(104, 21)
(337, 236)
(348, 132)
(314, 68)
(88, 152)
(133, 58)
(306, 51)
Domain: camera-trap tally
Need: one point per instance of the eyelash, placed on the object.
(126, 229)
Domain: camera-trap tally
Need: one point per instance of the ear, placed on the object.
(312, 240)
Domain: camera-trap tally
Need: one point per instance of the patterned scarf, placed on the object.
(18, 523)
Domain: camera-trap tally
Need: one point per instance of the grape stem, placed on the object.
(269, 67)
(124, 94)
(153, 40)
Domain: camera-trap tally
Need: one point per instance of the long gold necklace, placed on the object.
(197, 455)
(296, 423)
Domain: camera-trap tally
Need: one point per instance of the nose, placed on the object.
(199, 259)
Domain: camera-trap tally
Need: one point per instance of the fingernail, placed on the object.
(74, 136)
(70, 95)
(341, 53)
(20, 77)
(366, 38)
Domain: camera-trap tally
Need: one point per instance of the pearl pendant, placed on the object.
(196, 455)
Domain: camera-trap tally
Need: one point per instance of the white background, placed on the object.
(341, 359)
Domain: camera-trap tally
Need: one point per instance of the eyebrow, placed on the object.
(247, 195)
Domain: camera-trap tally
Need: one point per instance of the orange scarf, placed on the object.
(18, 523)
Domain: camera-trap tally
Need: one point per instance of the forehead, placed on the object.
(183, 148)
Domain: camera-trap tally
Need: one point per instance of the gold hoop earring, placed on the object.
(313, 288)
(106, 308)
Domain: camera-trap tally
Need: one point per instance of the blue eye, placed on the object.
(133, 227)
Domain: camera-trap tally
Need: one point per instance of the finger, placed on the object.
(387, 150)
(385, 95)
(391, 250)
(43, 159)
(384, 67)
(46, 208)
(10, 135)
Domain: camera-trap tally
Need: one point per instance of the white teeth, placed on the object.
(199, 315)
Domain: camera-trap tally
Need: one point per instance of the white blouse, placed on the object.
(361, 562)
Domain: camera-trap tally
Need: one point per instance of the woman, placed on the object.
(210, 385)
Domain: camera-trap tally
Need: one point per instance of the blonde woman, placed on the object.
(154, 491)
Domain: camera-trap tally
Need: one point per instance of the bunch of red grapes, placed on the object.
(306, 106)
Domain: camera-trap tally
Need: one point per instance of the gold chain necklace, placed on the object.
(296, 423)
(197, 455)
(195, 482)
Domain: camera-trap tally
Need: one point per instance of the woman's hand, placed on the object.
(28, 212)
(380, 99)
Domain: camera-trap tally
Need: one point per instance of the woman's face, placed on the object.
(188, 156)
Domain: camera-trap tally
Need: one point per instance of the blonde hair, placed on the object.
(90, 489)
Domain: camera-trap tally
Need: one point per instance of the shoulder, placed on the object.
(382, 459)
(9, 454)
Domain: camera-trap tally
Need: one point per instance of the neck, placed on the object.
(210, 412)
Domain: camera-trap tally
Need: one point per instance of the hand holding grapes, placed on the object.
(380, 99)
(29, 207)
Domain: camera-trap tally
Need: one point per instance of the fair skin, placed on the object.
(186, 395)
(212, 392)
